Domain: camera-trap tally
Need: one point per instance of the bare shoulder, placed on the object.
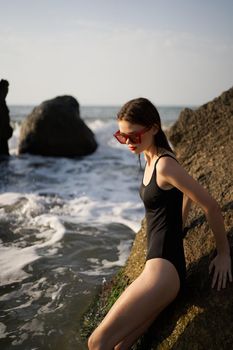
(175, 174)
(166, 164)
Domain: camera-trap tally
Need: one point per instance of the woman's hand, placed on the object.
(222, 270)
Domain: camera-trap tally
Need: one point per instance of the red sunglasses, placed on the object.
(134, 138)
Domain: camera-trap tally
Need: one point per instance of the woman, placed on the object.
(167, 191)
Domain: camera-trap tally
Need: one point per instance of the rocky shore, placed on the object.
(202, 317)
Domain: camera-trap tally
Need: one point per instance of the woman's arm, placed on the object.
(173, 173)
(185, 208)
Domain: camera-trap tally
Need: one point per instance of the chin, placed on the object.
(136, 151)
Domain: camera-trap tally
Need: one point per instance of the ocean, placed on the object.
(66, 226)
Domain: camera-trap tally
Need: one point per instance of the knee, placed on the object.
(93, 343)
(96, 341)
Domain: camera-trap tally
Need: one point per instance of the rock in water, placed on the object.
(55, 128)
(5, 127)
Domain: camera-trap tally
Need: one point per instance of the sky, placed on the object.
(105, 52)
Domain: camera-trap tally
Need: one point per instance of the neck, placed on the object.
(150, 154)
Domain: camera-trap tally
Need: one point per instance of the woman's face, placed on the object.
(147, 138)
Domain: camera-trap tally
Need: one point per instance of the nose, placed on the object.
(127, 141)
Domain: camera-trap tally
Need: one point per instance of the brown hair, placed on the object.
(142, 111)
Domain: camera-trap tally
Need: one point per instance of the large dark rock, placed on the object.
(204, 130)
(55, 128)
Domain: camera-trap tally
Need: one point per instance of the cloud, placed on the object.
(102, 63)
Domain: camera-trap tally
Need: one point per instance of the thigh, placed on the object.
(150, 293)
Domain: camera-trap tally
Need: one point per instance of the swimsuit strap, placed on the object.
(164, 155)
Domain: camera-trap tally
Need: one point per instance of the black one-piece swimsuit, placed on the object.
(164, 223)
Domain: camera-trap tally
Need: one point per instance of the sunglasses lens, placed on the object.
(120, 138)
(134, 139)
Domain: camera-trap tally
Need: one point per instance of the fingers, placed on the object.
(214, 279)
(222, 272)
(221, 279)
(211, 266)
(230, 275)
(224, 280)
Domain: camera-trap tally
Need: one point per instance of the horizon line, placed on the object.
(103, 105)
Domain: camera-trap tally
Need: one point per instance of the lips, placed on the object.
(132, 148)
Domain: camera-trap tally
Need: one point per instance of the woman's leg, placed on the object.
(155, 288)
(134, 335)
